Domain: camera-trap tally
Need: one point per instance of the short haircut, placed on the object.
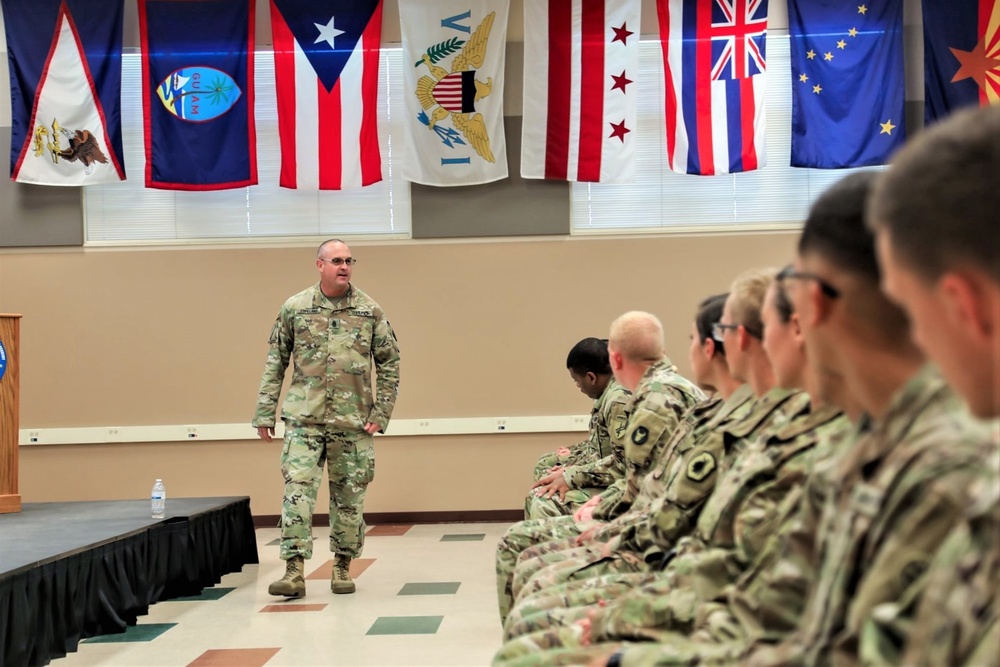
(590, 355)
(835, 227)
(709, 314)
(324, 244)
(940, 200)
(746, 298)
(638, 336)
(782, 304)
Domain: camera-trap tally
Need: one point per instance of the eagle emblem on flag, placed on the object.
(83, 146)
(455, 93)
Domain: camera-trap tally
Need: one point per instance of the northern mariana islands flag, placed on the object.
(326, 65)
(453, 62)
(65, 87)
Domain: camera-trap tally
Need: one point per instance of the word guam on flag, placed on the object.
(847, 82)
(326, 69)
(581, 58)
(197, 88)
(453, 66)
(961, 55)
(65, 85)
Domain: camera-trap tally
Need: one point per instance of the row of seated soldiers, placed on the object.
(819, 494)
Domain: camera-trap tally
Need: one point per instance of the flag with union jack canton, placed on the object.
(714, 66)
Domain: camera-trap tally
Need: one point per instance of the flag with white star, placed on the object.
(326, 68)
(847, 82)
(581, 59)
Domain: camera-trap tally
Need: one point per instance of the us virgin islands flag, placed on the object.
(197, 88)
(65, 87)
(453, 62)
(326, 62)
(847, 82)
(961, 55)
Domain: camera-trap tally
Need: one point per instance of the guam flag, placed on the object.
(65, 85)
(714, 64)
(197, 87)
(961, 55)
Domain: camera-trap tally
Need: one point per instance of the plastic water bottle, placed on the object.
(159, 499)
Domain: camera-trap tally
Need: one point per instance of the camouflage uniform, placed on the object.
(586, 478)
(865, 530)
(655, 410)
(331, 344)
(773, 438)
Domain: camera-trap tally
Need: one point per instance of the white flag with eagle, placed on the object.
(453, 61)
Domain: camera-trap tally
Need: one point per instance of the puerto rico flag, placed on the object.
(197, 88)
(326, 68)
(714, 65)
(65, 86)
(581, 59)
(961, 55)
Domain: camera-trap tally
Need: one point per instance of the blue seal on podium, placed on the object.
(3, 360)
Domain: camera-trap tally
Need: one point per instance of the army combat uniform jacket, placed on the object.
(331, 344)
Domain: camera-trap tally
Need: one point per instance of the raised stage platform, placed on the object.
(69, 571)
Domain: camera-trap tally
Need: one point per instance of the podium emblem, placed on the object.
(3, 360)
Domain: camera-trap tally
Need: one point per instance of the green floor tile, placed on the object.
(431, 588)
(405, 625)
(206, 594)
(464, 537)
(134, 633)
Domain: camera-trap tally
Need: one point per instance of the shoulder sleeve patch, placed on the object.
(640, 435)
(701, 466)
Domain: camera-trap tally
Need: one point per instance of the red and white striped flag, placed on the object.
(326, 62)
(581, 59)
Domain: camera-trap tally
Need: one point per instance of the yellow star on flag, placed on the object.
(810, 54)
(828, 56)
(887, 127)
(853, 32)
(803, 77)
(862, 9)
(841, 44)
(817, 89)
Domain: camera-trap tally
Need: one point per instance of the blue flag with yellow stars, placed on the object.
(847, 82)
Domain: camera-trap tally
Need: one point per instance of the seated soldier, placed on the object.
(595, 463)
(660, 397)
(935, 217)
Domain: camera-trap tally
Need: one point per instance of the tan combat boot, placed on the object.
(293, 584)
(340, 580)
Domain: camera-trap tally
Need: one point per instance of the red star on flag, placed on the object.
(621, 34)
(620, 81)
(619, 131)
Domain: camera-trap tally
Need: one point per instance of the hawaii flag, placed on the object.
(581, 58)
(65, 87)
(453, 62)
(326, 62)
(713, 61)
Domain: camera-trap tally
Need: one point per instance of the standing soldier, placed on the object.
(334, 331)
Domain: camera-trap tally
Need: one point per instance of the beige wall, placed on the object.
(178, 336)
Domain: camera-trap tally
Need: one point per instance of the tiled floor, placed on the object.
(426, 596)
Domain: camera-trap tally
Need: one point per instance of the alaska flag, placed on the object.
(715, 69)
(65, 88)
(961, 55)
(197, 87)
(847, 82)
(326, 63)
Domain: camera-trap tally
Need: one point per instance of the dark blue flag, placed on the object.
(197, 86)
(961, 55)
(847, 82)
(65, 87)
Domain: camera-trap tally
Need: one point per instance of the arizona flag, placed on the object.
(961, 55)
(326, 63)
(453, 62)
(65, 86)
(581, 58)
(714, 65)
(197, 93)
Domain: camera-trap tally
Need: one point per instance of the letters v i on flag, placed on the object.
(453, 74)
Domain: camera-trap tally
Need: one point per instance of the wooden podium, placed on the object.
(10, 325)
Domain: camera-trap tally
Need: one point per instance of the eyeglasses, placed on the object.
(719, 330)
(339, 261)
(789, 273)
